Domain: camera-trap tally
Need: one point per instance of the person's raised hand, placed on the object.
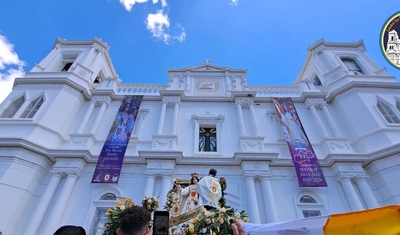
(237, 228)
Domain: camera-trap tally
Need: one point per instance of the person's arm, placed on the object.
(237, 228)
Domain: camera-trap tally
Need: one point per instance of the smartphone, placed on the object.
(161, 223)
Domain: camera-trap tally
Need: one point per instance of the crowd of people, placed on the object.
(133, 220)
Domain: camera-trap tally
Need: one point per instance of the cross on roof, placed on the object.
(207, 61)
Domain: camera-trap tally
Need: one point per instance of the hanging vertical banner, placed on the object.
(112, 154)
(309, 172)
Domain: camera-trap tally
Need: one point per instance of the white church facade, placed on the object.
(393, 47)
(56, 120)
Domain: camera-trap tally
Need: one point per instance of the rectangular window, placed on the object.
(66, 67)
(398, 105)
(311, 213)
(100, 221)
(317, 81)
(207, 139)
(352, 66)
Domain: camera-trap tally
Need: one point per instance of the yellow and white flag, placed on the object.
(378, 221)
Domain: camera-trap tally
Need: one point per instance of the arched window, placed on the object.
(387, 112)
(307, 199)
(33, 107)
(12, 108)
(309, 205)
(106, 201)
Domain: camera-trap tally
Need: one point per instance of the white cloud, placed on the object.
(182, 35)
(163, 2)
(128, 4)
(234, 2)
(10, 67)
(158, 25)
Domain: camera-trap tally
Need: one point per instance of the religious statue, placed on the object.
(190, 198)
(174, 200)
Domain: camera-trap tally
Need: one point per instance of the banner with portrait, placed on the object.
(112, 154)
(308, 170)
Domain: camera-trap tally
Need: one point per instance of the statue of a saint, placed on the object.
(190, 198)
(173, 200)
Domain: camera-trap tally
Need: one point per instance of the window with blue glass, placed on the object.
(208, 139)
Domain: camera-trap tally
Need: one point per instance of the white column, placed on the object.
(99, 54)
(254, 213)
(253, 117)
(85, 61)
(49, 58)
(41, 208)
(148, 190)
(98, 118)
(366, 193)
(270, 208)
(162, 117)
(138, 122)
(319, 122)
(56, 212)
(166, 186)
(86, 118)
(331, 122)
(240, 117)
(351, 194)
(175, 121)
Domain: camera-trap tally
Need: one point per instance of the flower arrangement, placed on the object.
(113, 215)
(150, 203)
(213, 222)
(169, 202)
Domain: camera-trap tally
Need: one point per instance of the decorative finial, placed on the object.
(207, 61)
(195, 174)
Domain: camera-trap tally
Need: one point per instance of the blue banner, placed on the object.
(112, 154)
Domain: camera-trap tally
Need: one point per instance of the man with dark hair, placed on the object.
(70, 230)
(213, 172)
(209, 190)
(134, 220)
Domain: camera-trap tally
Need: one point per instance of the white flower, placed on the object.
(222, 210)
(207, 214)
(237, 214)
(122, 207)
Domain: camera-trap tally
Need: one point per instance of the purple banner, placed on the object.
(112, 154)
(309, 172)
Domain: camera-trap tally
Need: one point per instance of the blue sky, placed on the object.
(147, 37)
